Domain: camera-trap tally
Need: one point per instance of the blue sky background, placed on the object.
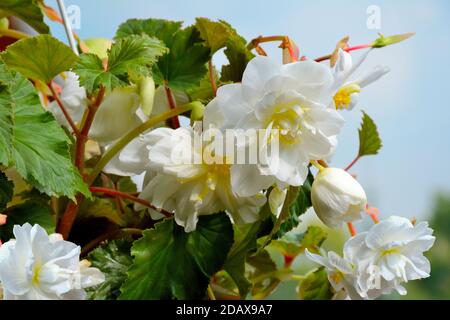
(410, 104)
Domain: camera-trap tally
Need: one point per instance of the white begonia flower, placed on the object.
(190, 188)
(276, 200)
(38, 266)
(337, 197)
(345, 93)
(293, 100)
(394, 249)
(73, 98)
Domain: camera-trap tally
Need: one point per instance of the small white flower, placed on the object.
(345, 93)
(337, 197)
(37, 266)
(394, 247)
(293, 100)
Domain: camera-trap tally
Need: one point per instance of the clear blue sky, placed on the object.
(410, 105)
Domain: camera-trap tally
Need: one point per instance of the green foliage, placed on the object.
(129, 57)
(170, 263)
(369, 139)
(185, 64)
(313, 238)
(238, 55)
(316, 286)
(215, 34)
(291, 212)
(33, 212)
(40, 58)
(114, 260)
(6, 191)
(27, 10)
(32, 141)
(383, 41)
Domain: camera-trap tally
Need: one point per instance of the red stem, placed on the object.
(352, 163)
(63, 109)
(348, 49)
(175, 122)
(116, 193)
(351, 228)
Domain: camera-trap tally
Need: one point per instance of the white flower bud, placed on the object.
(337, 197)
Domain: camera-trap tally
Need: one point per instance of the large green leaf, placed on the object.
(129, 57)
(114, 260)
(298, 200)
(316, 286)
(185, 64)
(369, 139)
(33, 212)
(215, 34)
(6, 191)
(32, 141)
(238, 56)
(27, 10)
(170, 263)
(40, 58)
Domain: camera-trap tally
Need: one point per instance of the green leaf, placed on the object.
(6, 191)
(369, 139)
(383, 41)
(263, 274)
(316, 286)
(101, 208)
(169, 263)
(293, 209)
(113, 259)
(238, 56)
(313, 238)
(129, 57)
(40, 58)
(215, 34)
(33, 212)
(27, 10)
(32, 141)
(185, 64)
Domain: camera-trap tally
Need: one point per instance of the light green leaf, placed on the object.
(33, 212)
(170, 263)
(40, 58)
(238, 56)
(185, 64)
(298, 201)
(315, 287)
(369, 139)
(129, 57)
(114, 260)
(215, 34)
(313, 238)
(263, 274)
(6, 191)
(32, 141)
(27, 10)
(383, 41)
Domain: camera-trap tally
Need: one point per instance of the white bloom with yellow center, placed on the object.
(337, 197)
(38, 266)
(293, 100)
(178, 183)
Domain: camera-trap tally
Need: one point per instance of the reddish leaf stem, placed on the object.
(352, 163)
(212, 77)
(63, 109)
(174, 121)
(351, 228)
(348, 49)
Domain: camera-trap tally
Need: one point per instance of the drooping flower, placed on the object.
(345, 93)
(337, 197)
(38, 266)
(394, 248)
(292, 100)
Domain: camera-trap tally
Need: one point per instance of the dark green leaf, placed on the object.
(40, 58)
(32, 141)
(114, 260)
(26, 10)
(215, 34)
(6, 191)
(369, 139)
(238, 56)
(33, 212)
(316, 286)
(129, 57)
(169, 263)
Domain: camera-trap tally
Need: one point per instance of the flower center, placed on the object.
(342, 98)
(36, 271)
(286, 123)
(390, 251)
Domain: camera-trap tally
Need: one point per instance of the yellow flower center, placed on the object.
(36, 271)
(286, 121)
(337, 277)
(390, 251)
(342, 98)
